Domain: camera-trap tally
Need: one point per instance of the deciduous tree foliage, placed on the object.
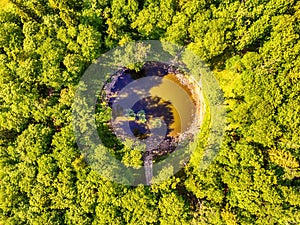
(252, 47)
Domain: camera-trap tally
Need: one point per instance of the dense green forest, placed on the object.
(252, 47)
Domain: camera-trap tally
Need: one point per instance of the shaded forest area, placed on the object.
(252, 47)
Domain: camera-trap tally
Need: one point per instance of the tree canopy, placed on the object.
(252, 47)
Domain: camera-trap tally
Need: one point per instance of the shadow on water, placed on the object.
(125, 76)
(153, 107)
(110, 92)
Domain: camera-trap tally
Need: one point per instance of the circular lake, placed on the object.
(158, 102)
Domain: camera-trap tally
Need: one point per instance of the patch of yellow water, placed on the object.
(182, 104)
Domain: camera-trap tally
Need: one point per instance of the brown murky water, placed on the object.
(182, 105)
